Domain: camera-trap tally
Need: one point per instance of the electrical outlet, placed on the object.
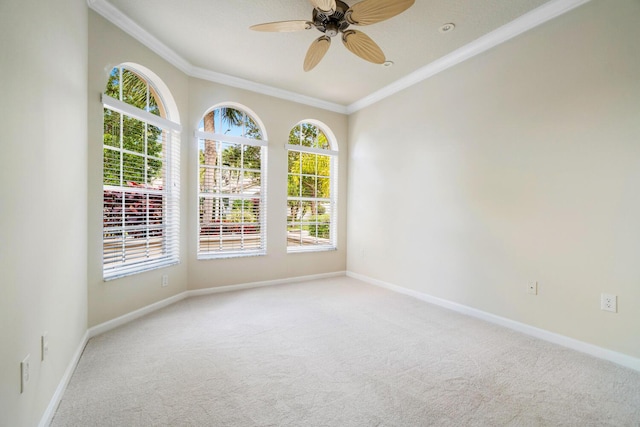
(44, 346)
(165, 280)
(24, 373)
(532, 288)
(609, 302)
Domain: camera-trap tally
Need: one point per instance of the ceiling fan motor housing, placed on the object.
(332, 24)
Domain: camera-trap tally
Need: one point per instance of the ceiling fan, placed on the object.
(334, 16)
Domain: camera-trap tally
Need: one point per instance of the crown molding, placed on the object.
(226, 79)
(532, 19)
(526, 22)
(126, 24)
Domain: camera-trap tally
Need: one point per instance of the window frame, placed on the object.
(222, 138)
(169, 227)
(333, 153)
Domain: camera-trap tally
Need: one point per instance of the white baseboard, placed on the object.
(47, 417)
(230, 288)
(581, 346)
(126, 318)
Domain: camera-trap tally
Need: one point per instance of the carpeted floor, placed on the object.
(336, 352)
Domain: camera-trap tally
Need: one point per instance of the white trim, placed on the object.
(231, 288)
(231, 138)
(574, 344)
(526, 22)
(47, 417)
(137, 113)
(232, 81)
(129, 317)
(311, 150)
(126, 24)
(532, 19)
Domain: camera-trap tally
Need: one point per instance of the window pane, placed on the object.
(133, 132)
(321, 141)
(308, 186)
(324, 165)
(293, 187)
(252, 130)
(111, 167)
(294, 161)
(309, 163)
(324, 187)
(133, 169)
(134, 89)
(111, 135)
(251, 157)
(231, 155)
(295, 135)
(251, 183)
(155, 107)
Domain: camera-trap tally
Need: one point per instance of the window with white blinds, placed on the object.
(232, 184)
(312, 189)
(141, 169)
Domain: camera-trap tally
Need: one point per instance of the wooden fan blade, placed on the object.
(316, 52)
(324, 5)
(369, 12)
(362, 45)
(283, 26)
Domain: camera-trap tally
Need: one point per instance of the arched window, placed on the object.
(312, 188)
(141, 170)
(232, 183)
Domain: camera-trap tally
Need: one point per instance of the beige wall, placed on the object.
(108, 300)
(520, 164)
(43, 197)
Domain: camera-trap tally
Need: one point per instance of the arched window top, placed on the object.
(313, 134)
(233, 120)
(140, 87)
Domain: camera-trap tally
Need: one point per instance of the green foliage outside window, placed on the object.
(309, 173)
(143, 165)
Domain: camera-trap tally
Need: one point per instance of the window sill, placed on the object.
(305, 249)
(210, 256)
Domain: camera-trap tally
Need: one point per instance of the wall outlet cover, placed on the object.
(609, 302)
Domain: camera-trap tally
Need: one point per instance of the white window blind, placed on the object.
(141, 178)
(232, 185)
(312, 190)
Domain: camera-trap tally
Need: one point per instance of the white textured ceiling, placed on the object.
(214, 35)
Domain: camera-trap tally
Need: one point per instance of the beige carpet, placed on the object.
(336, 352)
